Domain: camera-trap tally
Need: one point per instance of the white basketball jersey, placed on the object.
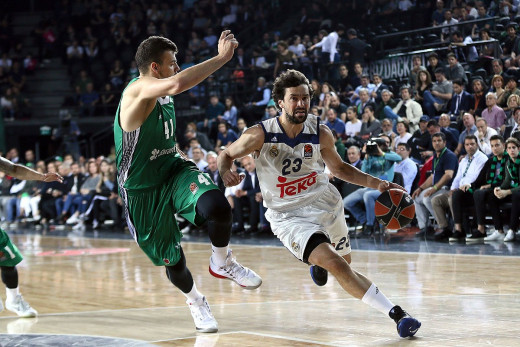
(290, 171)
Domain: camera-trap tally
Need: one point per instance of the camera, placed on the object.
(374, 144)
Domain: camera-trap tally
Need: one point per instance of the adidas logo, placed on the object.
(274, 139)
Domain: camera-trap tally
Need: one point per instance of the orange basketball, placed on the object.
(394, 209)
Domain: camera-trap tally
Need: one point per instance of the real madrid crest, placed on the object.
(273, 152)
(295, 246)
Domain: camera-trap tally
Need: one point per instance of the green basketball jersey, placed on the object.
(147, 156)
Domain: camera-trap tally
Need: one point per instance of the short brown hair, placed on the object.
(151, 50)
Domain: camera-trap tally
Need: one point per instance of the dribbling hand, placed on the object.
(227, 44)
(232, 178)
(386, 185)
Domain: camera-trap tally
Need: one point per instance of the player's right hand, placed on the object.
(232, 178)
(227, 44)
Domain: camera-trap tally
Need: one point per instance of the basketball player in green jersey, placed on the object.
(156, 181)
(10, 256)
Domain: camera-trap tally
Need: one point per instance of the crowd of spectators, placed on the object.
(415, 132)
(88, 194)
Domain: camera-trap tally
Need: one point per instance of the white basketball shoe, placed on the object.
(21, 307)
(232, 270)
(201, 313)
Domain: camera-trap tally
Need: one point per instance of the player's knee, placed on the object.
(214, 206)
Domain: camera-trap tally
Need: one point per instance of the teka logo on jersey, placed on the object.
(307, 151)
(297, 186)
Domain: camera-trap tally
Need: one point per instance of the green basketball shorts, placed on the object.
(152, 212)
(9, 253)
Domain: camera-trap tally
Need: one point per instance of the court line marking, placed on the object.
(282, 247)
(292, 302)
(289, 338)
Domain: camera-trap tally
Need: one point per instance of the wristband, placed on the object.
(435, 187)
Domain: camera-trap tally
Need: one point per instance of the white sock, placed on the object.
(12, 293)
(376, 299)
(194, 294)
(219, 255)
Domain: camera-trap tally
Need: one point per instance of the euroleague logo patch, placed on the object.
(194, 188)
(307, 151)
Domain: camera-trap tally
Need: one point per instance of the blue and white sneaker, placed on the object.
(407, 326)
(319, 275)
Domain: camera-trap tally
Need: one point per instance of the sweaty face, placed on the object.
(296, 104)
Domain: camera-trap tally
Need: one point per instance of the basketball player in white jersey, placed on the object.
(304, 209)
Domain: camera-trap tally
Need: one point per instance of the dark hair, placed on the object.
(405, 145)
(458, 81)
(288, 79)
(441, 135)
(439, 70)
(151, 50)
(496, 137)
(456, 33)
(516, 109)
(352, 32)
(370, 107)
(432, 122)
(450, 55)
(471, 137)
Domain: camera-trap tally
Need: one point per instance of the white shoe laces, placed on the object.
(20, 304)
(234, 268)
(201, 312)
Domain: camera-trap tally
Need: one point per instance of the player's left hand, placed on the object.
(232, 178)
(52, 177)
(386, 185)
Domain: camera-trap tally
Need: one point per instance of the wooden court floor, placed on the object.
(105, 287)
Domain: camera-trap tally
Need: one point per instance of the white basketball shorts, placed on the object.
(325, 215)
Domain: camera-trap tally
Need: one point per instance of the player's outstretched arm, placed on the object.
(250, 141)
(152, 88)
(24, 173)
(344, 171)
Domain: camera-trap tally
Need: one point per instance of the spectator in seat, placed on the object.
(226, 136)
(406, 166)
(482, 190)
(198, 158)
(467, 172)
(493, 114)
(334, 123)
(420, 140)
(484, 135)
(511, 130)
(461, 101)
(406, 110)
(437, 99)
(386, 100)
(445, 164)
(88, 101)
(508, 191)
(479, 88)
(370, 126)
(469, 129)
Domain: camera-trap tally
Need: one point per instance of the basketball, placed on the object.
(394, 209)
